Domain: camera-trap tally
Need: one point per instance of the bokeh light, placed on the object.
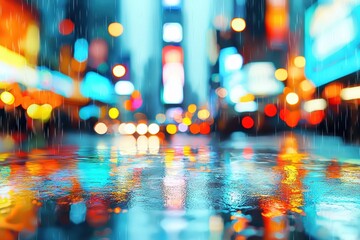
(316, 117)
(350, 93)
(121, 128)
(292, 118)
(130, 128)
(299, 61)
(192, 108)
(205, 128)
(281, 74)
(186, 121)
(100, 128)
(115, 29)
(315, 105)
(203, 114)
(306, 86)
(81, 48)
(292, 98)
(247, 122)
(7, 98)
(221, 92)
(66, 27)
(141, 128)
(194, 128)
(113, 113)
(160, 118)
(153, 128)
(119, 70)
(183, 127)
(124, 87)
(171, 129)
(270, 110)
(238, 24)
(39, 112)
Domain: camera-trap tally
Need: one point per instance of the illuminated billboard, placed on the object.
(173, 75)
(277, 23)
(332, 41)
(230, 61)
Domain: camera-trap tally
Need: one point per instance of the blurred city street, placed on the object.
(179, 119)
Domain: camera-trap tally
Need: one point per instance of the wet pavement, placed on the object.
(289, 186)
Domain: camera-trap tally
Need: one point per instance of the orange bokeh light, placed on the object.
(194, 128)
(316, 117)
(292, 118)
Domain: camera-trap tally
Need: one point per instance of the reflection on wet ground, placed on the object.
(86, 187)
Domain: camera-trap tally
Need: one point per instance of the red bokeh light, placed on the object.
(283, 113)
(270, 110)
(247, 122)
(204, 128)
(334, 100)
(66, 27)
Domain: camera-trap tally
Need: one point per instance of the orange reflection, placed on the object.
(274, 217)
(333, 170)
(290, 193)
(42, 167)
(240, 222)
(292, 172)
(22, 216)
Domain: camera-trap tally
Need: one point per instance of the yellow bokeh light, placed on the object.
(119, 70)
(42, 112)
(113, 113)
(203, 114)
(192, 108)
(247, 98)
(281, 74)
(292, 98)
(171, 128)
(33, 111)
(45, 111)
(187, 121)
(100, 128)
(299, 61)
(7, 98)
(115, 29)
(238, 24)
(307, 86)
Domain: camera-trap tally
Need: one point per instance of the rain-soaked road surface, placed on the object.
(269, 187)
